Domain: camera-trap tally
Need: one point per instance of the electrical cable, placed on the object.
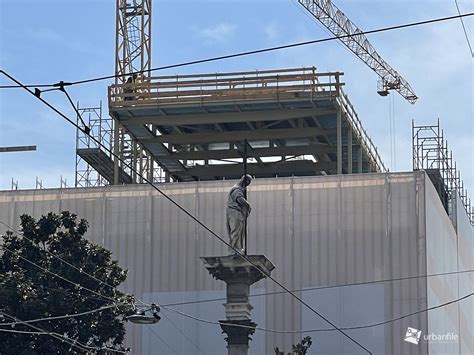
(67, 292)
(162, 340)
(464, 28)
(322, 287)
(321, 329)
(23, 332)
(54, 274)
(189, 214)
(246, 53)
(64, 261)
(60, 317)
(184, 335)
(58, 257)
(71, 342)
(313, 19)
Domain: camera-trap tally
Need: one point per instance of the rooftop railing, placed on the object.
(201, 89)
(361, 133)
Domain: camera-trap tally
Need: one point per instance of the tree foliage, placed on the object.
(298, 349)
(28, 292)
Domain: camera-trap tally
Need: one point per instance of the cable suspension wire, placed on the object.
(319, 329)
(58, 257)
(72, 342)
(322, 287)
(54, 274)
(23, 332)
(66, 262)
(162, 340)
(246, 53)
(464, 28)
(184, 335)
(60, 317)
(189, 214)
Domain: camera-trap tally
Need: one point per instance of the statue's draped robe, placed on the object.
(236, 216)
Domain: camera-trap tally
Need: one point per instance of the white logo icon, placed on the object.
(413, 335)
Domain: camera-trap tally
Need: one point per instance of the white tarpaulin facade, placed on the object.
(317, 231)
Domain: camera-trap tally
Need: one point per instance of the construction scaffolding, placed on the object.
(292, 121)
(431, 153)
(94, 166)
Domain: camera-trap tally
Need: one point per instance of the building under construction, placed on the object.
(325, 210)
(199, 127)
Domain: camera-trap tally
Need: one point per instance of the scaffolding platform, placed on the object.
(288, 122)
(103, 164)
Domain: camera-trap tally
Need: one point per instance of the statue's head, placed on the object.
(245, 180)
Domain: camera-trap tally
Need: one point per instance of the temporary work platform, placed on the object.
(288, 122)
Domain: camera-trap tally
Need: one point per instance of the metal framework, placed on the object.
(87, 168)
(351, 36)
(295, 122)
(431, 153)
(133, 39)
(132, 66)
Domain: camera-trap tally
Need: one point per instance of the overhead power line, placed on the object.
(82, 272)
(72, 342)
(162, 340)
(189, 214)
(56, 275)
(464, 28)
(322, 287)
(319, 329)
(184, 335)
(60, 317)
(247, 53)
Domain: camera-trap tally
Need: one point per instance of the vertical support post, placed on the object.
(116, 152)
(151, 168)
(359, 160)
(245, 193)
(349, 150)
(238, 274)
(339, 141)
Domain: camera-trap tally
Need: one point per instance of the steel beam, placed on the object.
(235, 136)
(287, 168)
(21, 148)
(339, 141)
(253, 153)
(116, 152)
(227, 117)
(349, 149)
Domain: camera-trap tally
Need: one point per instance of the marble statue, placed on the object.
(237, 212)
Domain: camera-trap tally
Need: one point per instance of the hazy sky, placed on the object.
(47, 41)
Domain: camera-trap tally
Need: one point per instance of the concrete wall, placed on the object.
(318, 231)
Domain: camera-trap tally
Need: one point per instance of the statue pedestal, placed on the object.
(239, 275)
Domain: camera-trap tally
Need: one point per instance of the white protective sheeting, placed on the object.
(318, 231)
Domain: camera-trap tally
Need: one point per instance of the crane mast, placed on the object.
(353, 38)
(133, 39)
(132, 56)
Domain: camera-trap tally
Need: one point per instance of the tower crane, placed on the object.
(353, 38)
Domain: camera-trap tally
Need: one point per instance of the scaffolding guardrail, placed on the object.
(201, 89)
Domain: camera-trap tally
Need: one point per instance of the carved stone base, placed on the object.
(238, 311)
(238, 274)
(238, 335)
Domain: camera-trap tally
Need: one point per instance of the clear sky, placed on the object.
(47, 41)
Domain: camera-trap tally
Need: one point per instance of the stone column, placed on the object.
(239, 275)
